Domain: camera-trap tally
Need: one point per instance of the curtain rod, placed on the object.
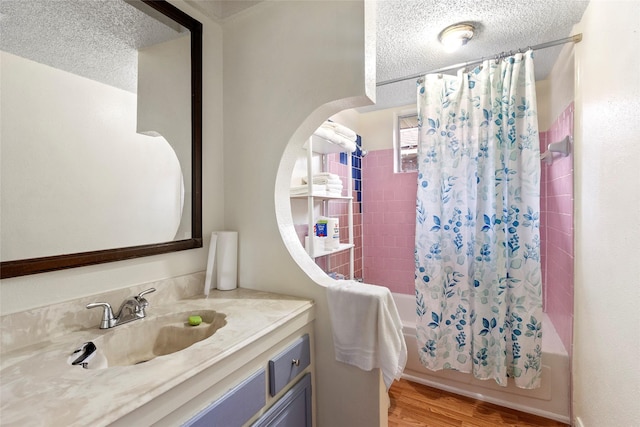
(571, 39)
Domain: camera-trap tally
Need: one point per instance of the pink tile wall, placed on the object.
(556, 230)
(389, 223)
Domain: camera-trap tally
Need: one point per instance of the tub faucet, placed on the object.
(132, 308)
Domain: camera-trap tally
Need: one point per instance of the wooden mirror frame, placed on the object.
(24, 267)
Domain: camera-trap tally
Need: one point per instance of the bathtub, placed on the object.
(551, 400)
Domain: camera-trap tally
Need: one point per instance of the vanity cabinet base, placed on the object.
(289, 405)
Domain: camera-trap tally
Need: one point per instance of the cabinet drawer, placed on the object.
(286, 365)
(236, 407)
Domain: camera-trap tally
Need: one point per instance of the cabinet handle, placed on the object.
(295, 362)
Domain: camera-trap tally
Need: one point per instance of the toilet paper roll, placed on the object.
(211, 262)
(226, 260)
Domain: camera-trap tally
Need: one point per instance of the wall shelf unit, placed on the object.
(318, 252)
(317, 145)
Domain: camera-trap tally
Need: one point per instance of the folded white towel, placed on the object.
(304, 189)
(323, 180)
(336, 138)
(326, 133)
(345, 143)
(367, 330)
(341, 130)
(326, 175)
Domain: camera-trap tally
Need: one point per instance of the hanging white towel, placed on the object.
(367, 330)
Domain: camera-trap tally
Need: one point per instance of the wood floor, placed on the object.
(416, 405)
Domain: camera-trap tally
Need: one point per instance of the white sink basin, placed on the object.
(146, 339)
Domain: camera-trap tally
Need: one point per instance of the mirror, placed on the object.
(101, 132)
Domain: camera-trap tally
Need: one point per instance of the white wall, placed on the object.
(348, 118)
(21, 293)
(377, 127)
(606, 372)
(554, 94)
(285, 63)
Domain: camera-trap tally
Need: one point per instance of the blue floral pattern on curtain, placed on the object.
(478, 281)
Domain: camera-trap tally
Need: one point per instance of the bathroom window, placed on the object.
(405, 142)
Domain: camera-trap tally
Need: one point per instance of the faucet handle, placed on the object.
(108, 321)
(142, 301)
(143, 293)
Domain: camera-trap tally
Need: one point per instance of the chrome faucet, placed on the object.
(131, 309)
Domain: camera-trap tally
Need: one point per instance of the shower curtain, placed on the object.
(477, 252)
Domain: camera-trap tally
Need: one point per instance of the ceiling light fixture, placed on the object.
(456, 35)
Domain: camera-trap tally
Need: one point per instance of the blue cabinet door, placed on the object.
(292, 410)
(236, 407)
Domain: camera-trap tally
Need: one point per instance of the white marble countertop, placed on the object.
(39, 387)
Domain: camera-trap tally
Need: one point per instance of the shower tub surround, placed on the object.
(389, 234)
(39, 387)
(388, 230)
(556, 230)
(551, 400)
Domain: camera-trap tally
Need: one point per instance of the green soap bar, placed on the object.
(195, 320)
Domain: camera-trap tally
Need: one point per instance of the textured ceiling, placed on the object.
(407, 36)
(407, 32)
(97, 39)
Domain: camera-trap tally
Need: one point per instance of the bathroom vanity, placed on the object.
(255, 368)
